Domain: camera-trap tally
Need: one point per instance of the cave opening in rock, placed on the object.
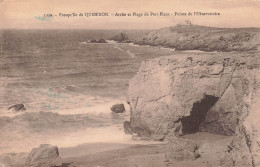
(191, 124)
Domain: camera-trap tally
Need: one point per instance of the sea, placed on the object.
(66, 85)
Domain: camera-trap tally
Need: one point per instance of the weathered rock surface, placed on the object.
(99, 41)
(127, 127)
(17, 107)
(194, 37)
(123, 38)
(181, 150)
(219, 153)
(93, 41)
(44, 156)
(118, 108)
(191, 92)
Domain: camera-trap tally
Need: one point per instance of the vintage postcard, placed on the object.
(120, 83)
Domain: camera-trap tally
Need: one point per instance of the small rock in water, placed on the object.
(99, 41)
(17, 107)
(93, 41)
(121, 38)
(102, 41)
(44, 156)
(118, 108)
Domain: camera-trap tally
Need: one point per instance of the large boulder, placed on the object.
(44, 156)
(17, 107)
(192, 92)
(118, 108)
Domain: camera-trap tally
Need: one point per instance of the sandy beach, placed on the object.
(114, 155)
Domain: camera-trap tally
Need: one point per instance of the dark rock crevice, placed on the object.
(248, 144)
(191, 124)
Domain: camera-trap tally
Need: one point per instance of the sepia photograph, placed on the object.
(129, 83)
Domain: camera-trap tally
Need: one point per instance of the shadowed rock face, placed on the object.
(99, 41)
(191, 124)
(17, 107)
(127, 128)
(93, 41)
(210, 92)
(120, 38)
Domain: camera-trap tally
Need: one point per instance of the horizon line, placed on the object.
(120, 28)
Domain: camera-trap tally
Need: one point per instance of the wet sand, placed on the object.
(131, 155)
(114, 155)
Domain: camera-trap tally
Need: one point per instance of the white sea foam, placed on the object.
(171, 49)
(148, 46)
(109, 134)
(130, 53)
(93, 106)
(62, 101)
(102, 126)
(111, 41)
(117, 47)
(194, 51)
(83, 42)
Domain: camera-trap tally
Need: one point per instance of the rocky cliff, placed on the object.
(188, 93)
(194, 37)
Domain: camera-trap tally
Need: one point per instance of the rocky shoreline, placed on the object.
(201, 108)
(209, 39)
(174, 96)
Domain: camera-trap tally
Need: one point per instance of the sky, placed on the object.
(28, 14)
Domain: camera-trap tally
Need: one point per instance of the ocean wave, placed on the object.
(27, 131)
(149, 46)
(11, 82)
(132, 55)
(111, 41)
(108, 42)
(196, 51)
(63, 101)
(117, 47)
(31, 129)
(83, 42)
(171, 49)
(94, 105)
(63, 89)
